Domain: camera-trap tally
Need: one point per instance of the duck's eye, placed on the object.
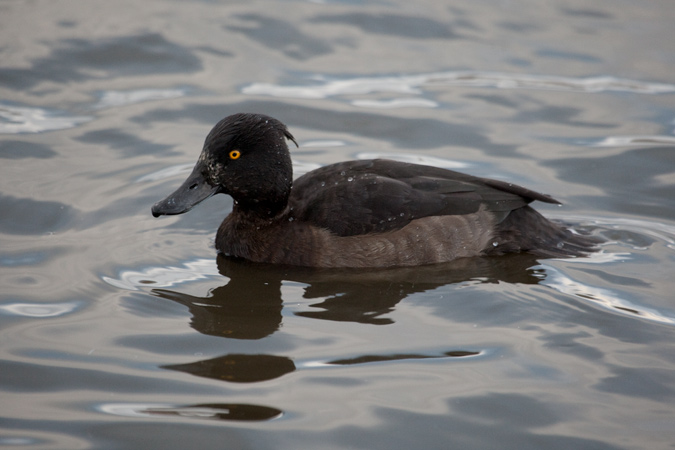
(235, 154)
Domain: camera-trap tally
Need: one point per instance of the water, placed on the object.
(119, 330)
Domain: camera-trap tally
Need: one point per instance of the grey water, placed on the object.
(119, 330)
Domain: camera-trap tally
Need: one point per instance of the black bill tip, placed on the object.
(193, 191)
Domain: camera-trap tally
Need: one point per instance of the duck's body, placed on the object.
(367, 213)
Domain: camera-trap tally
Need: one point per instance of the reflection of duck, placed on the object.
(249, 305)
(238, 368)
(371, 213)
(217, 411)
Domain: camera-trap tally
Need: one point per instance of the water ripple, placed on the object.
(396, 103)
(217, 411)
(325, 87)
(38, 310)
(606, 298)
(623, 141)
(111, 99)
(165, 276)
(20, 119)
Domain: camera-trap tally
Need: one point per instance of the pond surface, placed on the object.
(119, 330)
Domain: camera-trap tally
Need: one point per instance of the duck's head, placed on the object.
(244, 156)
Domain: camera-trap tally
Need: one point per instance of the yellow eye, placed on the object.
(235, 154)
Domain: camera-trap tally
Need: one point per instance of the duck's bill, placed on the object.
(194, 190)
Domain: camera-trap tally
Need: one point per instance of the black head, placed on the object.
(245, 156)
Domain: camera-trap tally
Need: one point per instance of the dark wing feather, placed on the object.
(373, 196)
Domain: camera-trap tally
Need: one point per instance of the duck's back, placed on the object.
(374, 196)
(395, 213)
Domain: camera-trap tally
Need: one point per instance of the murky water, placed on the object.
(119, 330)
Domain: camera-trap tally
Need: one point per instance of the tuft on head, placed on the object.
(245, 127)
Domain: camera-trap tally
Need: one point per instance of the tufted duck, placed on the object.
(366, 213)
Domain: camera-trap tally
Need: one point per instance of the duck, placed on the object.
(373, 213)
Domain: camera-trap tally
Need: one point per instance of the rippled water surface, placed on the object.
(119, 330)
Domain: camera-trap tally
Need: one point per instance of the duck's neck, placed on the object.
(259, 210)
(244, 233)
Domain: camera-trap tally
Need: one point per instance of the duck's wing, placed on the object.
(374, 196)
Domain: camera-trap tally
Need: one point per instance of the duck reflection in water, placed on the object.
(249, 305)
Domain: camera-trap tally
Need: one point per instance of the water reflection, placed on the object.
(249, 305)
(244, 308)
(242, 368)
(209, 411)
(237, 368)
(401, 357)
(220, 411)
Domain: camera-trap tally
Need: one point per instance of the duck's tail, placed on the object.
(525, 230)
